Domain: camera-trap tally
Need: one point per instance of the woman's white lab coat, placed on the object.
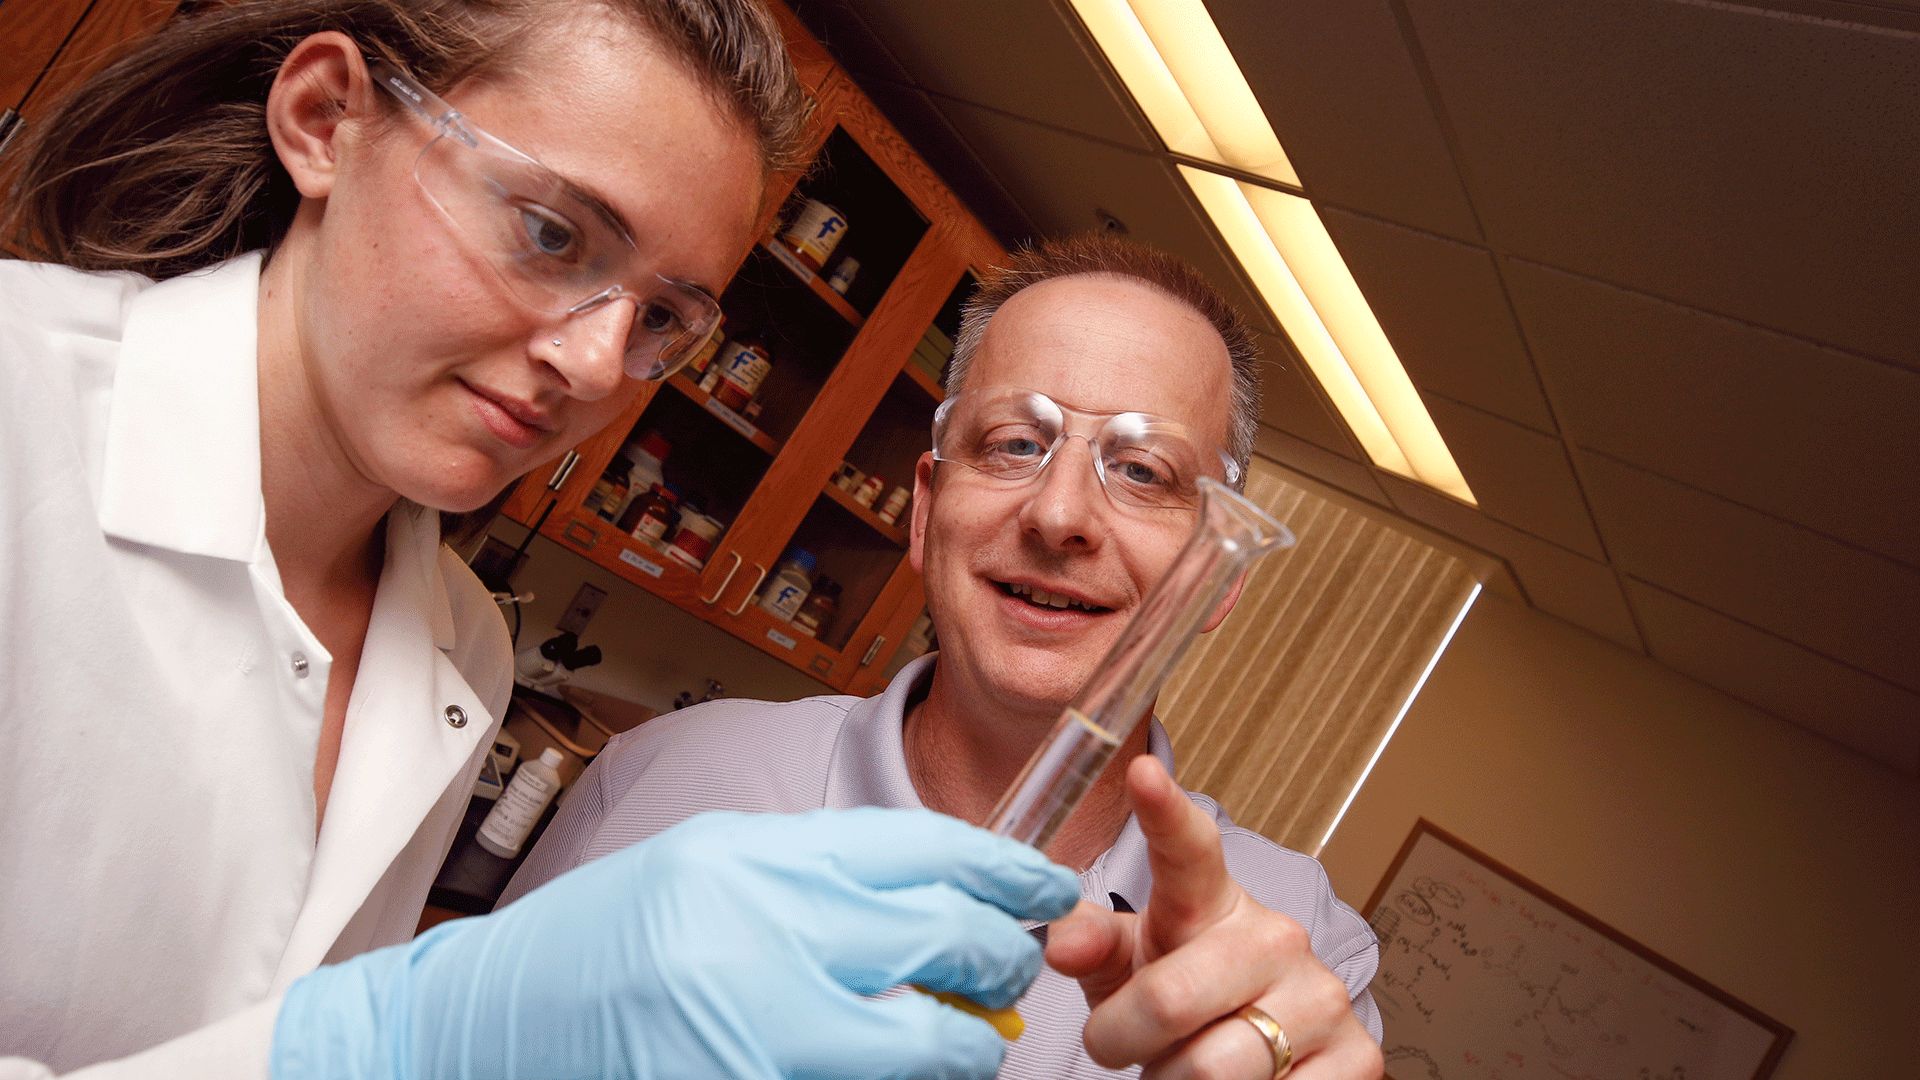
(160, 701)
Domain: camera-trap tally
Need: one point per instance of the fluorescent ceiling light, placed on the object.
(1180, 71)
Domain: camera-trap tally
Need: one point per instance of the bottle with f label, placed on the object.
(513, 815)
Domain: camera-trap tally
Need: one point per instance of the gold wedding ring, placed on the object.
(1276, 1039)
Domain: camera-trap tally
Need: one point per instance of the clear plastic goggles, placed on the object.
(1011, 434)
(556, 248)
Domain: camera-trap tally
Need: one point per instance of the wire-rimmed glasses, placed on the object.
(557, 248)
(1143, 461)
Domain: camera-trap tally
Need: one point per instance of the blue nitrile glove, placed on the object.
(732, 945)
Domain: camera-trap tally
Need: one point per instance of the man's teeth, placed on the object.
(1052, 600)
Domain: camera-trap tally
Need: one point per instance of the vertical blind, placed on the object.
(1279, 712)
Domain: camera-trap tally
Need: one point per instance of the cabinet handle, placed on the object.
(724, 582)
(873, 650)
(559, 477)
(756, 588)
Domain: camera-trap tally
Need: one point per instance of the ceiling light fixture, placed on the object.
(1172, 59)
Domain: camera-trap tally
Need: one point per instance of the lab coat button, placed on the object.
(456, 716)
(299, 665)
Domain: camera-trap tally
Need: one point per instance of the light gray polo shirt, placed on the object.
(840, 751)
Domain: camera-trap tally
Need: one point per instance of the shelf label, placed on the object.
(732, 419)
(651, 569)
(791, 261)
(781, 639)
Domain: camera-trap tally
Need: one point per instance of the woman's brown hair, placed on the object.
(161, 163)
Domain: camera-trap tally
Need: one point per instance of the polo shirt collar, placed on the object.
(869, 768)
(182, 461)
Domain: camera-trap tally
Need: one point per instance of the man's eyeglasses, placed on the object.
(1011, 434)
(555, 247)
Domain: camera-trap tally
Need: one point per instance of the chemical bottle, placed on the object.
(648, 453)
(743, 365)
(788, 587)
(534, 785)
(640, 460)
(653, 516)
(610, 494)
(822, 604)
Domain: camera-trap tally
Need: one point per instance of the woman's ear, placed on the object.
(322, 83)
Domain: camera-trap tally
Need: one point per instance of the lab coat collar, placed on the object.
(869, 768)
(399, 751)
(183, 435)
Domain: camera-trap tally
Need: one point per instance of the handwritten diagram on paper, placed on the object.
(1484, 976)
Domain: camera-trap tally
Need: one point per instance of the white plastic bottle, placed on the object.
(513, 815)
(787, 589)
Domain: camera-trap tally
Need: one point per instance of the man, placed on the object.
(1046, 512)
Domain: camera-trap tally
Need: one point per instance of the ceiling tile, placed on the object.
(1020, 58)
(1445, 311)
(1060, 179)
(1846, 705)
(1838, 600)
(1558, 582)
(1754, 163)
(1815, 436)
(849, 39)
(1335, 80)
(1517, 475)
(914, 114)
(1328, 468)
(1290, 400)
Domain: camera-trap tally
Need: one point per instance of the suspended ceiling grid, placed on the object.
(1651, 263)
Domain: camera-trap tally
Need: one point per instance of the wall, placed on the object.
(1765, 859)
(652, 649)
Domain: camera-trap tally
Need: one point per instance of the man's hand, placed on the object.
(1164, 985)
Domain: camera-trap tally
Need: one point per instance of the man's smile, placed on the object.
(1039, 597)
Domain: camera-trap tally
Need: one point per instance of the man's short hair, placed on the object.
(1094, 253)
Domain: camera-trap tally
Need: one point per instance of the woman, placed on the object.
(404, 253)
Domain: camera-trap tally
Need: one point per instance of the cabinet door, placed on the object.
(54, 44)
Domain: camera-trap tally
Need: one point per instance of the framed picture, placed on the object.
(1485, 975)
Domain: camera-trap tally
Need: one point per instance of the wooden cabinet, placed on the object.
(53, 44)
(844, 387)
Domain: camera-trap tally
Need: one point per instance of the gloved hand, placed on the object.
(731, 945)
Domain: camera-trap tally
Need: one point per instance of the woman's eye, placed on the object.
(548, 234)
(660, 319)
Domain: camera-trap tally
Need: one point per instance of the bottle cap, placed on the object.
(653, 444)
(551, 757)
(801, 558)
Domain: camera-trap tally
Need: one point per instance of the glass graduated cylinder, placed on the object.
(1230, 534)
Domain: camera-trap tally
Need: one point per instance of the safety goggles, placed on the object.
(555, 247)
(1142, 461)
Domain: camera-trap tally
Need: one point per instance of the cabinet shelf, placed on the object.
(798, 267)
(924, 381)
(723, 414)
(865, 515)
